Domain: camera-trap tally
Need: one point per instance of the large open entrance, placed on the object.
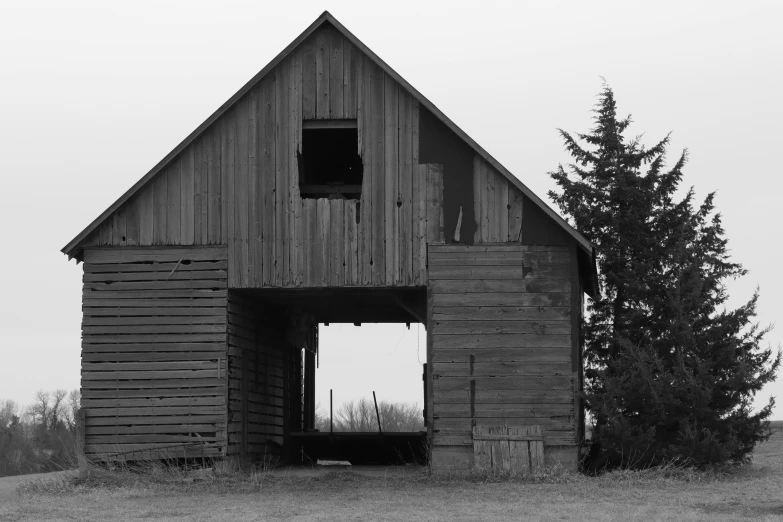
(274, 354)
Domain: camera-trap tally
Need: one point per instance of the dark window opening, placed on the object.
(330, 165)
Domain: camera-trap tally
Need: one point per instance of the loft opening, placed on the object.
(330, 165)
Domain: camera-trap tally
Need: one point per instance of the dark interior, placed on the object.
(330, 165)
(347, 305)
(387, 449)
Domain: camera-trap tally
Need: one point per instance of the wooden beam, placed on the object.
(409, 307)
(329, 124)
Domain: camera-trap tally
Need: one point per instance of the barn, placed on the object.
(328, 190)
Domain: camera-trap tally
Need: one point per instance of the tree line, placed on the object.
(360, 416)
(40, 437)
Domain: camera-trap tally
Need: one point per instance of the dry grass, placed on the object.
(167, 493)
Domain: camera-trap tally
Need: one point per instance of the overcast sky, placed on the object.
(95, 94)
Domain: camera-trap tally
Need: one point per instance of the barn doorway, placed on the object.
(363, 338)
(369, 394)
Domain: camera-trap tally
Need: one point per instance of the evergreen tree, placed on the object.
(670, 373)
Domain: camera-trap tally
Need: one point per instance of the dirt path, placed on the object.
(8, 484)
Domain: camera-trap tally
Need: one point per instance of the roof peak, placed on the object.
(72, 249)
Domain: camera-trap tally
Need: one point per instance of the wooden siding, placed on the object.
(258, 359)
(501, 342)
(237, 183)
(154, 352)
(497, 206)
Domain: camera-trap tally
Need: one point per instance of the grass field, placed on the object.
(755, 491)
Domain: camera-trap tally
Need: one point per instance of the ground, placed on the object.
(754, 492)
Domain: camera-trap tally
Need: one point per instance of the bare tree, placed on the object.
(39, 410)
(72, 411)
(9, 410)
(359, 416)
(57, 409)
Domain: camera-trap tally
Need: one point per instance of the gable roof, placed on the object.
(72, 248)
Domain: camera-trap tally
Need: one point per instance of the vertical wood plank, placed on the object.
(262, 161)
(146, 214)
(101, 237)
(350, 244)
(495, 447)
(404, 210)
(346, 246)
(322, 61)
(186, 220)
(230, 210)
(268, 178)
(478, 197)
(501, 207)
(198, 189)
(435, 204)
(487, 204)
(213, 187)
(240, 191)
(391, 181)
(294, 199)
(301, 246)
(515, 215)
(377, 113)
(118, 228)
(491, 202)
(324, 234)
(318, 243)
(482, 458)
(417, 262)
(421, 178)
(361, 101)
(282, 139)
(366, 131)
(312, 245)
(173, 190)
(336, 75)
(160, 209)
(505, 456)
(132, 223)
(536, 448)
(518, 452)
(336, 244)
(254, 268)
(308, 79)
(203, 216)
(224, 202)
(420, 259)
(349, 79)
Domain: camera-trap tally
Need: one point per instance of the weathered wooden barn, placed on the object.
(326, 190)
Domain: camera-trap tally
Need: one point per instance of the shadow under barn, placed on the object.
(272, 361)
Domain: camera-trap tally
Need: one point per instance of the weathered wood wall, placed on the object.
(497, 205)
(258, 359)
(237, 184)
(154, 352)
(500, 344)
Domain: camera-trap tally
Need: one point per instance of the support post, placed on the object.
(377, 415)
